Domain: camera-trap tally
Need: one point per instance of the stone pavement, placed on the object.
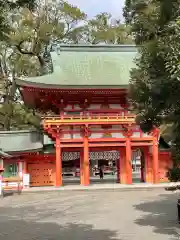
(90, 215)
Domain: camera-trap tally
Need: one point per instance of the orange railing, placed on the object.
(89, 119)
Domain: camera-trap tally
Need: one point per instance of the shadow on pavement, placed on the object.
(161, 215)
(21, 229)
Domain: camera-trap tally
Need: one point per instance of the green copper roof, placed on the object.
(88, 66)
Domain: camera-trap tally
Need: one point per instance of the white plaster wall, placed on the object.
(68, 107)
(145, 134)
(115, 106)
(136, 128)
(136, 134)
(100, 135)
(96, 135)
(94, 106)
(117, 127)
(77, 135)
(76, 107)
(67, 136)
(117, 135)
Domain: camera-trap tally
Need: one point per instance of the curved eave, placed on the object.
(25, 83)
(25, 151)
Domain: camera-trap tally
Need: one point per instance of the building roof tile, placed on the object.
(87, 66)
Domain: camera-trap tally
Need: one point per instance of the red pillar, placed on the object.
(155, 161)
(20, 169)
(81, 167)
(123, 174)
(148, 165)
(86, 172)
(143, 167)
(118, 168)
(25, 170)
(58, 163)
(128, 160)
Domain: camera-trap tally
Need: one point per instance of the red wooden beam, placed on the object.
(140, 144)
(72, 140)
(81, 123)
(141, 138)
(74, 149)
(100, 149)
(71, 145)
(107, 139)
(106, 144)
(92, 131)
(94, 140)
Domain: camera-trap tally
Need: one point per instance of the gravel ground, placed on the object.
(90, 215)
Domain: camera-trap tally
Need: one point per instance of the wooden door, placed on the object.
(42, 173)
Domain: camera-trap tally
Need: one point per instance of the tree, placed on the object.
(155, 85)
(7, 7)
(36, 31)
(105, 29)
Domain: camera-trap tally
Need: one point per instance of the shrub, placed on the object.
(174, 174)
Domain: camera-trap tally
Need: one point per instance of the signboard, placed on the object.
(26, 180)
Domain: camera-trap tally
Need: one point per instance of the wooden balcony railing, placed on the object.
(96, 119)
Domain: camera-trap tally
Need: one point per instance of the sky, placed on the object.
(93, 7)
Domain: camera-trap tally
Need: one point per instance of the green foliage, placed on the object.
(7, 8)
(174, 174)
(15, 116)
(104, 29)
(155, 84)
(30, 4)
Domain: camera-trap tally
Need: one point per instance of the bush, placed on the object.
(174, 174)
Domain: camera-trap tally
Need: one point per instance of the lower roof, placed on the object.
(41, 86)
(87, 66)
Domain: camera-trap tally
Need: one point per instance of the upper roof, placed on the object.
(87, 66)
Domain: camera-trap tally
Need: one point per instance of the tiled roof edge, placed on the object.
(93, 48)
(61, 87)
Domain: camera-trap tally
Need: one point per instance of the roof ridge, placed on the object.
(95, 48)
(97, 45)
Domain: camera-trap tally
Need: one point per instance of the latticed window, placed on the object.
(10, 170)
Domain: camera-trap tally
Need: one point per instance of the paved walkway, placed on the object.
(101, 186)
(90, 215)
